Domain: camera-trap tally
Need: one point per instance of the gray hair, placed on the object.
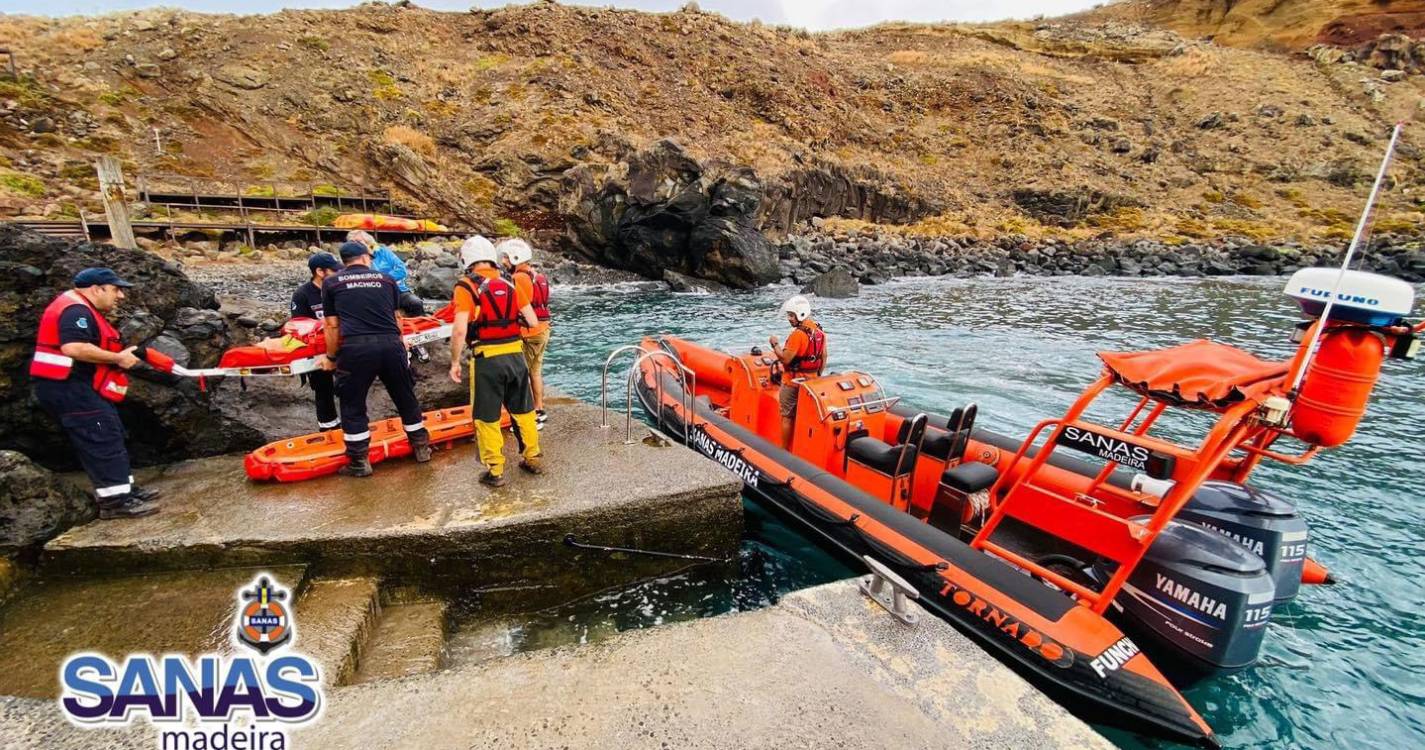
(362, 236)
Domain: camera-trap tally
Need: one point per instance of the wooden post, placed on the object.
(116, 206)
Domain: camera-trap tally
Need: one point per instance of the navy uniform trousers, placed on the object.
(359, 363)
(93, 428)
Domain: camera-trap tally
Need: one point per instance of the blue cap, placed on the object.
(349, 250)
(323, 260)
(98, 277)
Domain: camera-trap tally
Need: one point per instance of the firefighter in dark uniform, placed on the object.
(307, 303)
(78, 373)
(364, 343)
(488, 314)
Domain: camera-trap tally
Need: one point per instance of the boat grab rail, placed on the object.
(823, 415)
(687, 379)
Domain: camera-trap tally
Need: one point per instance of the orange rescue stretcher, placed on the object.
(295, 352)
(321, 453)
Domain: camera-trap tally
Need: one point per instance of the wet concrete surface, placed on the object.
(434, 520)
(825, 668)
(408, 639)
(335, 616)
(188, 612)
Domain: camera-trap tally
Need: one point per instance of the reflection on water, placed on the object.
(1342, 665)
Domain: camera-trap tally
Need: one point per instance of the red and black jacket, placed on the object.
(51, 363)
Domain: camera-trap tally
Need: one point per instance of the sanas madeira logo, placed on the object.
(263, 622)
(209, 702)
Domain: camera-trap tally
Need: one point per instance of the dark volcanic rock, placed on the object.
(683, 283)
(836, 283)
(661, 209)
(36, 505)
(165, 421)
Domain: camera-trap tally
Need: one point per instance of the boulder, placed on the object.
(35, 504)
(669, 212)
(435, 281)
(241, 76)
(683, 283)
(837, 283)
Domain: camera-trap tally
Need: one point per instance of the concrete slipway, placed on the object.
(824, 668)
(374, 563)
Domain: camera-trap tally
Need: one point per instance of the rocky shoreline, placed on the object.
(874, 258)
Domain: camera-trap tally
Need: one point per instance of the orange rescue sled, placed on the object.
(321, 453)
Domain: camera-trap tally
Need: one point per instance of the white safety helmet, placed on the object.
(798, 306)
(517, 250)
(476, 249)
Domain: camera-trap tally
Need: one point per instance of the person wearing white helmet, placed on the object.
(803, 357)
(489, 312)
(516, 255)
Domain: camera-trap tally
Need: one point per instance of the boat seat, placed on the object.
(970, 477)
(880, 456)
(937, 444)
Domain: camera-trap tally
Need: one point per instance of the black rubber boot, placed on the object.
(420, 448)
(494, 480)
(125, 506)
(146, 494)
(356, 467)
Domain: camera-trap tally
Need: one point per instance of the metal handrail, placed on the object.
(604, 388)
(688, 392)
(889, 401)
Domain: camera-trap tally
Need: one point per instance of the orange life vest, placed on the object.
(499, 311)
(813, 360)
(539, 297)
(51, 363)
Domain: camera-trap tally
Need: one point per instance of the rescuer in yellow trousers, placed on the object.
(488, 313)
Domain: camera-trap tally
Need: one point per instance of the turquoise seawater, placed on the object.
(1344, 666)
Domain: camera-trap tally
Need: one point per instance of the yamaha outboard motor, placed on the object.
(1198, 598)
(1264, 523)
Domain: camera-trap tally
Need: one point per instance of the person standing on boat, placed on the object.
(364, 343)
(307, 303)
(385, 260)
(803, 357)
(516, 255)
(489, 311)
(78, 371)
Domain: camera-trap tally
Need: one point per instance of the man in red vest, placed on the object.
(79, 375)
(516, 255)
(488, 314)
(803, 357)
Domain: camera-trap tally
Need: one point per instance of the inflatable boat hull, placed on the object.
(1071, 653)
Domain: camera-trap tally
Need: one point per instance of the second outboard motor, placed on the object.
(1198, 598)
(1264, 523)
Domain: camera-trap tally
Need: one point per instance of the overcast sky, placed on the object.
(811, 14)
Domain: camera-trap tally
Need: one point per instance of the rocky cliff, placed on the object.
(669, 142)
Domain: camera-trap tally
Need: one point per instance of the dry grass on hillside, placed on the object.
(496, 104)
